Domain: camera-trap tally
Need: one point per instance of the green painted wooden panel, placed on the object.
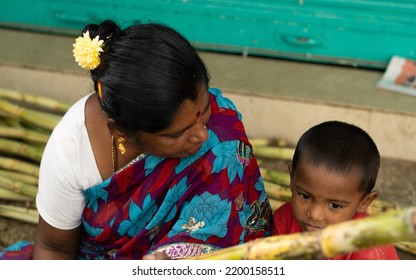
(361, 33)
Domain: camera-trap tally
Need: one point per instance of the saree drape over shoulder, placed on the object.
(183, 207)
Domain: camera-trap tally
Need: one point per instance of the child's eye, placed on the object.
(305, 196)
(335, 206)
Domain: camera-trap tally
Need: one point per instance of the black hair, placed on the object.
(342, 148)
(147, 71)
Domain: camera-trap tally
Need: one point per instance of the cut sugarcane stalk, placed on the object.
(23, 134)
(20, 149)
(9, 195)
(18, 187)
(38, 100)
(11, 122)
(379, 206)
(19, 213)
(334, 240)
(389, 227)
(270, 152)
(277, 192)
(17, 176)
(271, 142)
(260, 142)
(278, 177)
(406, 246)
(19, 166)
(3, 115)
(41, 119)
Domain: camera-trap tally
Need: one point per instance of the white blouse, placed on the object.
(68, 167)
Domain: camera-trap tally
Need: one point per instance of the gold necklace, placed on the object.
(113, 154)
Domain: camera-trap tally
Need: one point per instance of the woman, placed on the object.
(153, 161)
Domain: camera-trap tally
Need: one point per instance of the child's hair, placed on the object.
(342, 148)
(147, 71)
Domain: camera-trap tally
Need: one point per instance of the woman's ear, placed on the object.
(366, 201)
(111, 124)
(112, 127)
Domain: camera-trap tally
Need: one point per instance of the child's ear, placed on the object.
(289, 167)
(366, 201)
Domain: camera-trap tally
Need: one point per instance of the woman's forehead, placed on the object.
(189, 112)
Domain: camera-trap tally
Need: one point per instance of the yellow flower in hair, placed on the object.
(87, 51)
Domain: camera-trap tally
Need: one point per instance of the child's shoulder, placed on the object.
(360, 215)
(284, 210)
(385, 252)
(283, 221)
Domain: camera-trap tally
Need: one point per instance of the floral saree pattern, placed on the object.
(183, 207)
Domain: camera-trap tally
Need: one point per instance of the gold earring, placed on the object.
(121, 147)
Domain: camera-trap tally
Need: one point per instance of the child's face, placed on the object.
(321, 198)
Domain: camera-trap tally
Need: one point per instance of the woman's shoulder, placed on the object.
(222, 101)
(70, 135)
(226, 120)
(74, 118)
(76, 112)
(69, 144)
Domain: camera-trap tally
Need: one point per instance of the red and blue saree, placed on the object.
(183, 207)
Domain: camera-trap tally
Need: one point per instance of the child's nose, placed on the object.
(315, 212)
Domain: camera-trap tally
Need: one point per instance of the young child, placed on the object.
(332, 176)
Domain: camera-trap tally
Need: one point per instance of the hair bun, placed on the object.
(105, 30)
(92, 29)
